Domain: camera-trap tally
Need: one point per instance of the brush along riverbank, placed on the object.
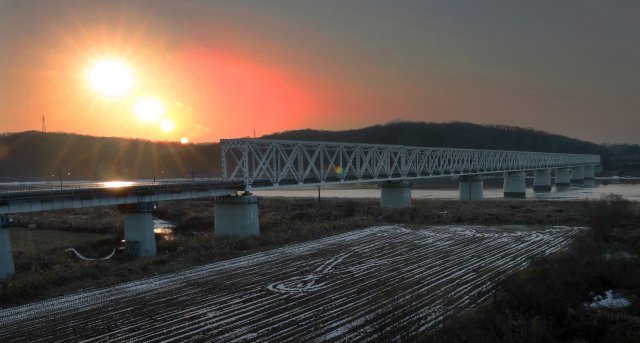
(559, 298)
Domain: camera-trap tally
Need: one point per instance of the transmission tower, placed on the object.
(44, 125)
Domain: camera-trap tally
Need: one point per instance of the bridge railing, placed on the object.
(261, 162)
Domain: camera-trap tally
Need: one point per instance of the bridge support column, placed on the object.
(563, 179)
(470, 187)
(395, 194)
(589, 176)
(6, 257)
(236, 215)
(542, 180)
(577, 175)
(514, 185)
(589, 172)
(139, 237)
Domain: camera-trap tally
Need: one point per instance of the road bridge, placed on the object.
(249, 164)
(134, 198)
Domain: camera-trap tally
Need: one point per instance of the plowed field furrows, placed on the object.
(354, 286)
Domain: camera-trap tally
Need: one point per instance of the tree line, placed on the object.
(34, 155)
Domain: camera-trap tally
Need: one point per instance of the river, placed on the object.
(630, 190)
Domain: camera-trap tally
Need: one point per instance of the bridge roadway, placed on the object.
(35, 197)
(257, 163)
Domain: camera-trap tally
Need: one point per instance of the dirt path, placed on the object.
(354, 286)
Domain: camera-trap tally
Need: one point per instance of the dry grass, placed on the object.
(33, 241)
(51, 271)
(545, 302)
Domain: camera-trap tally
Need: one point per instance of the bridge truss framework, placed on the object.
(276, 163)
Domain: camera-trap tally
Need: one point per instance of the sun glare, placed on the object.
(167, 125)
(148, 110)
(184, 140)
(111, 78)
(117, 184)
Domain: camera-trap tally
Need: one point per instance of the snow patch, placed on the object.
(619, 255)
(610, 300)
(308, 283)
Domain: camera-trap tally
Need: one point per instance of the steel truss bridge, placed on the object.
(259, 163)
(262, 163)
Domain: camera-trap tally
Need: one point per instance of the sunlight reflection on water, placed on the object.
(164, 229)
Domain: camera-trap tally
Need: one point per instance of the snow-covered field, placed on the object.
(353, 286)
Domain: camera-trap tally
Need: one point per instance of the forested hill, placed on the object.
(35, 155)
(451, 135)
(623, 159)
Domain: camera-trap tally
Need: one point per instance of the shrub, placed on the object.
(611, 212)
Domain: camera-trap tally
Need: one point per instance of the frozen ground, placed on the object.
(354, 286)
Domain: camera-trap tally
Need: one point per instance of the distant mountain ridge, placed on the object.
(450, 135)
(34, 155)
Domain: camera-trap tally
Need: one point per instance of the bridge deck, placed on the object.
(33, 197)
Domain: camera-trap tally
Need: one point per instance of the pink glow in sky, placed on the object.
(225, 69)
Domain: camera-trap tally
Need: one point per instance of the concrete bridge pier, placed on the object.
(395, 194)
(589, 172)
(589, 176)
(563, 179)
(542, 180)
(514, 185)
(6, 257)
(577, 175)
(140, 240)
(236, 215)
(470, 187)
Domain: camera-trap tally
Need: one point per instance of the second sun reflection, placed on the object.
(113, 78)
(150, 111)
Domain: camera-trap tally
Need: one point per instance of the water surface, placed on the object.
(629, 191)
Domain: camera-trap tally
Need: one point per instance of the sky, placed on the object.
(229, 69)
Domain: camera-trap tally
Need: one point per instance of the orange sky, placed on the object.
(225, 69)
(209, 91)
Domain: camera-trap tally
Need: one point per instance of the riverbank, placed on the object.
(589, 292)
(53, 271)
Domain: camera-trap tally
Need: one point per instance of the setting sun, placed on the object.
(167, 125)
(184, 140)
(148, 110)
(111, 78)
